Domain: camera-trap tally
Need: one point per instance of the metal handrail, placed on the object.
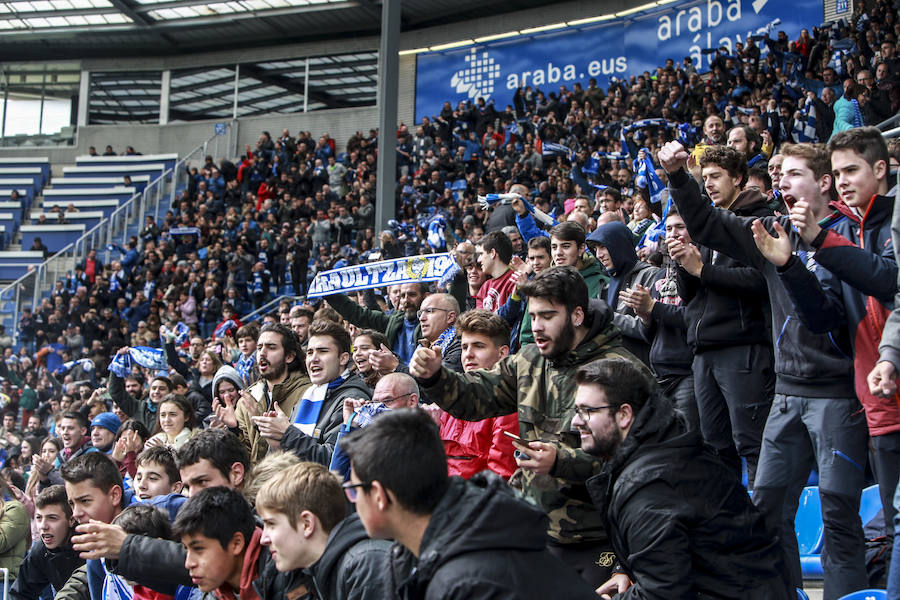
(889, 122)
(252, 316)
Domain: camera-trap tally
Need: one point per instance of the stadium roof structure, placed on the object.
(78, 29)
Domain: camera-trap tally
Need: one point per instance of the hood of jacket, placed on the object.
(750, 203)
(619, 242)
(477, 515)
(229, 373)
(591, 267)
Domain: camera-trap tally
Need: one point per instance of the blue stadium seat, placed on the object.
(459, 185)
(808, 522)
(866, 595)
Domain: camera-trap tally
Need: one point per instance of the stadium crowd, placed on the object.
(662, 294)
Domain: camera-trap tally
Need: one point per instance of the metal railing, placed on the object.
(257, 314)
(110, 230)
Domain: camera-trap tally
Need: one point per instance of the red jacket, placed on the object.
(475, 446)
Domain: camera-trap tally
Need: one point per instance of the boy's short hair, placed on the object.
(168, 382)
(274, 462)
(331, 329)
(540, 241)
(483, 322)
(55, 494)
(145, 519)
(304, 486)
(729, 159)
(381, 452)
(219, 446)
(95, 467)
(569, 231)
(216, 513)
(499, 241)
(77, 416)
(164, 457)
(247, 331)
(817, 157)
(865, 141)
(177, 380)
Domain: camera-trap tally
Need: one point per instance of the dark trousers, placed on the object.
(829, 434)
(734, 388)
(885, 457)
(594, 561)
(679, 390)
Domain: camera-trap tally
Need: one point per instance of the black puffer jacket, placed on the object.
(352, 566)
(482, 542)
(725, 306)
(681, 524)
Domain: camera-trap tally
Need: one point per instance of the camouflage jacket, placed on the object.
(542, 391)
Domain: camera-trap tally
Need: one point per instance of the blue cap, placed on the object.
(107, 420)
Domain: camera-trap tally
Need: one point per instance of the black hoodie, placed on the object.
(352, 566)
(682, 526)
(482, 542)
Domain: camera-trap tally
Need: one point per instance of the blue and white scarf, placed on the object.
(244, 367)
(311, 404)
(445, 339)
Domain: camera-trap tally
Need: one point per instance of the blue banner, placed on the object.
(427, 267)
(617, 48)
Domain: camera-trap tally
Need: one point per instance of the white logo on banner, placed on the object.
(477, 79)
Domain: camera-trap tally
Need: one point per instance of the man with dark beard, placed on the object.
(538, 383)
(680, 522)
(282, 381)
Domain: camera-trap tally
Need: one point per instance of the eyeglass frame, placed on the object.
(585, 412)
(350, 489)
(386, 400)
(430, 310)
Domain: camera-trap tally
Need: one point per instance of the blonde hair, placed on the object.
(265, 470)
(304, 486)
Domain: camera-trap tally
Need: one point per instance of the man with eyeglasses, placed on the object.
(437, 318)
(655, 488)
(879, 106)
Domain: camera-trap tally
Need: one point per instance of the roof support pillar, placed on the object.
(388, 79)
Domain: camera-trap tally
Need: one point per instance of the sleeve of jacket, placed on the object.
(500, 457)
(820, 309)
(356, 314)
(511, 311)
(478, 394)
(870, 273)
(175, 362)
(713, 227)
(163, 573)
(459, 289)
(631, 326)
(890, 337)
(743, 280)
(528, 228)
(13, 525)
(660, 548)
(669, 314)
(688, 285)
(76, 587)
(123, 399)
